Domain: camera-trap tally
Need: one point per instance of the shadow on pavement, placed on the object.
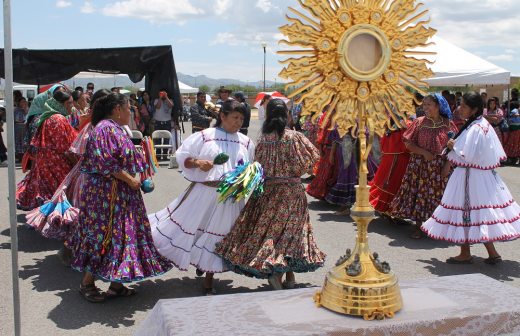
(507, 270)
(49, 274)
(400, 235)
(332, 217)
(73, 312)
(317, 205)
(30, 241)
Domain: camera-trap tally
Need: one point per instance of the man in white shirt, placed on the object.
(163, 114)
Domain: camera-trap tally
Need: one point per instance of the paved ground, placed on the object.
(51, 304)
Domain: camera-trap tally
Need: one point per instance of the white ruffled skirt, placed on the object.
(188, 235)
(483, 212)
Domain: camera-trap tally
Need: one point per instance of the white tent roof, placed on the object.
(455, 66)
(184, 88)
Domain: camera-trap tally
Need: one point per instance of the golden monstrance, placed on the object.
(355, 59)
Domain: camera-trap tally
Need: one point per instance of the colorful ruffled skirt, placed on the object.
(387, 180)
(421, 189)
(512, 145)
(326, 175)
(113, 240)
(272, 234)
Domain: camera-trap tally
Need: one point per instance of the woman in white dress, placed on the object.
(187, 230)
(476, 206)
(262, 107)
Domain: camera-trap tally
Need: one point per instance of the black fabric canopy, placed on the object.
(50, 66)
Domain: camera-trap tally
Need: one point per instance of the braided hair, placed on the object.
(276, 117)
(474, 101)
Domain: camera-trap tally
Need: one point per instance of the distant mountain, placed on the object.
(199, 80)
(123, 80)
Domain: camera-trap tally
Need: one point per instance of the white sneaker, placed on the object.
(4, 163)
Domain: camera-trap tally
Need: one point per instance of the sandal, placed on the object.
(119, 292)
(493, 260)
(91, 293)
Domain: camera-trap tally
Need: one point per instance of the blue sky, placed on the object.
(222, 38)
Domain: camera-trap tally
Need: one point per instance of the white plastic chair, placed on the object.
(161, 139)
(137, 135)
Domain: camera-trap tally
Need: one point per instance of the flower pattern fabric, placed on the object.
(422, 186)
(108, 205)
(273, 233)
(50, 166)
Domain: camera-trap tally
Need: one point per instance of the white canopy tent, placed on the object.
(184, 88)
(455, 66)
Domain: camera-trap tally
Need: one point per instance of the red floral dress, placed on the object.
(326, 173)
(52, 139)
(393, 165)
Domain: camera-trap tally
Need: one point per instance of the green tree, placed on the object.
(204, 88)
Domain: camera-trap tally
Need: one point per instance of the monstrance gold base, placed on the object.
(361, 284)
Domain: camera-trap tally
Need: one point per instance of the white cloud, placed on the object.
(227, 39)
(87, 8)
(155, 11)
(264, 5)
(475, 24)
(63, 3)
(504, 57)
(222, 7)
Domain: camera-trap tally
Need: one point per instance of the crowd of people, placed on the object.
(436, 170)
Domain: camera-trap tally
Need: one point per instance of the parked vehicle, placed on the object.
(28, 91)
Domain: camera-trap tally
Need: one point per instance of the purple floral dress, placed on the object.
(113, 240)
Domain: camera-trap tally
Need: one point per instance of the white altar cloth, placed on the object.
(460, 305)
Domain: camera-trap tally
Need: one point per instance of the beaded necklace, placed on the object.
(435, 124)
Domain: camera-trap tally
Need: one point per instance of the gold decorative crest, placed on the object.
(331, 70)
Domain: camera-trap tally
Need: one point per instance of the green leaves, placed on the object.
(221, 159)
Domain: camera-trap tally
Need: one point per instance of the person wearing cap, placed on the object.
(200, 116)
(241, 98)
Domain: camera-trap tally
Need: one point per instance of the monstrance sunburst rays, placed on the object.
(317, 67)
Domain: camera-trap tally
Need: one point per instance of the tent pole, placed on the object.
(8, 61)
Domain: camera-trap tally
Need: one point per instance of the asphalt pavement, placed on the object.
(51, 304)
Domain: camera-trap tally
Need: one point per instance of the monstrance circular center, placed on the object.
(364, 52)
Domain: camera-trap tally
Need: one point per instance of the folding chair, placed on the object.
(137, 137)
(161, 140)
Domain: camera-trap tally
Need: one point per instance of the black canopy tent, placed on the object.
(155, 63)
